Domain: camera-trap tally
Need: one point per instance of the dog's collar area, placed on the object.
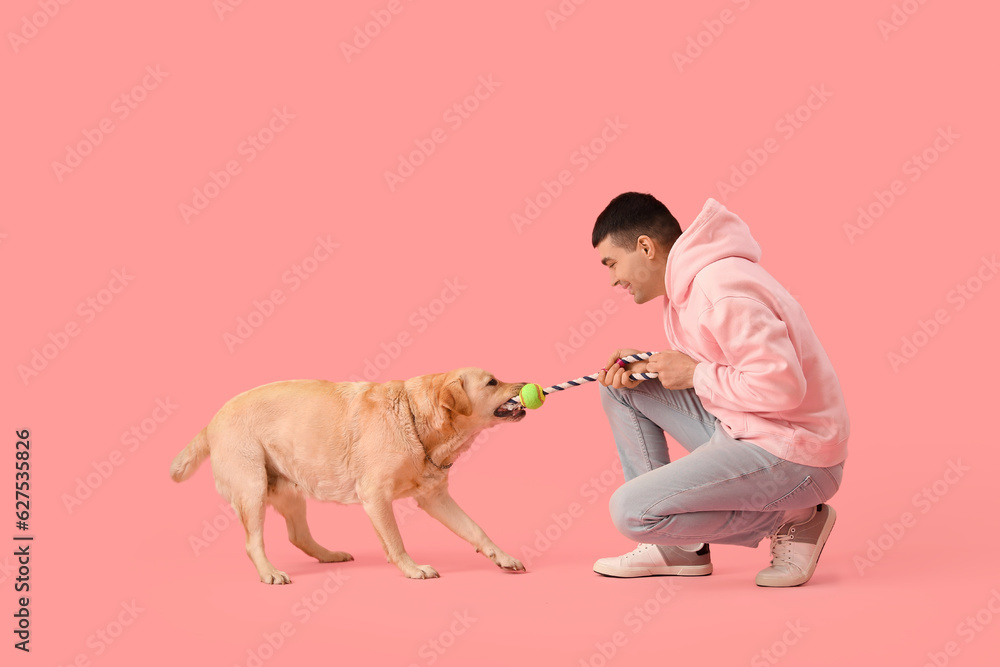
(427, 454)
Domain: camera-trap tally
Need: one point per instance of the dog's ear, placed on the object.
(454, 398)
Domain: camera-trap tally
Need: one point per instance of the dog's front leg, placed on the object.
(378, 506)
(443, 507)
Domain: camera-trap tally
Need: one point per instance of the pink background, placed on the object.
(524, 293)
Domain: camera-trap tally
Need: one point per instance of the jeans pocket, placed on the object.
(805, 494)
(836, 474)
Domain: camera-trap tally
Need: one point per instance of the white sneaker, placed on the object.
(796, 547)
(651, 559)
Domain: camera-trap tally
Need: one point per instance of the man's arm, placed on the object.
(762, 372)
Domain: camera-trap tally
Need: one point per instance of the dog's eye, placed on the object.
(491, 382)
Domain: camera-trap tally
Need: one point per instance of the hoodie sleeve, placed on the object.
(762, 372)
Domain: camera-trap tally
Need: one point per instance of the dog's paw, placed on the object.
(421, 572)
(334, 557)
(509, 563)
(503, 560)
(275, 577)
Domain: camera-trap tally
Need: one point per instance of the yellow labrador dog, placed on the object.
(350, 442)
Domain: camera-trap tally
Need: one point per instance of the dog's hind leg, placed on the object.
(291, 504)
(241, 478)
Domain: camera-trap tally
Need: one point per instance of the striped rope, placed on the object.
(591, 378)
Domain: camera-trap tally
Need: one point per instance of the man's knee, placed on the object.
(624, 508)
(611, 397)
(607, 397)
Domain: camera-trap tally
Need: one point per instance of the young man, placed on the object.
(746, 388)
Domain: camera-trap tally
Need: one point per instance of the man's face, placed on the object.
(639, 270)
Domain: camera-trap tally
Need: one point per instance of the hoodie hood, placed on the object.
(715, 234)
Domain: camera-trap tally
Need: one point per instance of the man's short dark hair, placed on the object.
(632, 214)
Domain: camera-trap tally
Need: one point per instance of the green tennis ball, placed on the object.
(532, 396)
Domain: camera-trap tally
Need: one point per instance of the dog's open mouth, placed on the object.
(514, 412)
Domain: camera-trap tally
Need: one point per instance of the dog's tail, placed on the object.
(190, 457)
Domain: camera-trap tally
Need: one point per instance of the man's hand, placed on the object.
(617, 376)
(675, 369)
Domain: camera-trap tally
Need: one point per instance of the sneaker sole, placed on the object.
(821, 542)
(675, 570)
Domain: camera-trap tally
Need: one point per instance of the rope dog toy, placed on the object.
(532, 395)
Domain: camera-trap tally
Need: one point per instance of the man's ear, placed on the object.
(645, 246)
(454, 398)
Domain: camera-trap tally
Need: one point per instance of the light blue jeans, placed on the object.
(725, 490)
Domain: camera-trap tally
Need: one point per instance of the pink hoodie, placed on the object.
(761, 370)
